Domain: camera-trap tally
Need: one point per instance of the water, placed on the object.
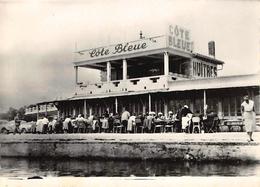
(24, 167)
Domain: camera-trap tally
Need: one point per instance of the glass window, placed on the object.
(257, 104)
(238, 103)
(225, 104)
(233, 106)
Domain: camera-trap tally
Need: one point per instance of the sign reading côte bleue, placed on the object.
(176, 37)
(142, 45)
(179, 38)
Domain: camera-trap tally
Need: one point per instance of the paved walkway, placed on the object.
(156, 137)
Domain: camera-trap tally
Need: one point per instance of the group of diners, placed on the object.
(183, 121)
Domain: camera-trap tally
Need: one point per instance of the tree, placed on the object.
(11, 113)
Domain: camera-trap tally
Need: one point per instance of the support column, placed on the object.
(37, 108)
(204, 102)
(149, 103)
(90, 111)
(166, 63)
(76, 74)
(156, 107)
(220, 112)
(116, 105)
(165, 109)
(192, 106)
(74, 111)
(124, 69)
(85, 108)
(144, 108)
(108, 71)
(46, 109)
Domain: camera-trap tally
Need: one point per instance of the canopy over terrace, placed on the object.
(142, 58)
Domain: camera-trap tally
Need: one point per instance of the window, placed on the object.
(225, 105)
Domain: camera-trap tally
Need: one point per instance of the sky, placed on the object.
(38, 38)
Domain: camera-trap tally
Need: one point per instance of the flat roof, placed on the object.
(132, 49)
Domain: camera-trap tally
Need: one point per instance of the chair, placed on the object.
(170, 126)
(196, 124)
(137, 125)
(160, 126)
(213, 125)
(185, 123)
(120, 128)
(117, 125)
(141, 127)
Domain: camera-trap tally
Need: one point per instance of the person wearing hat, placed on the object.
(248, 115)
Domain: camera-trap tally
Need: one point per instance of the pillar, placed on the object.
(76, 74)
(220, 111)
(149, 102)
(156, 107)
(166, 63)
(204, 102)
(46, 109)
(90, 111)
(116, 105)
(144, 108)
(108, 71)
(37, 108)
(165, 109)
(85, 108)
(74, 111)
(124, 69)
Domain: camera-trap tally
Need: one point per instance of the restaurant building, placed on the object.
(157, 74)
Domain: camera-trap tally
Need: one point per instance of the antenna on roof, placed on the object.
(141, 35)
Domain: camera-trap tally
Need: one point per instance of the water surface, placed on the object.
(24, 167)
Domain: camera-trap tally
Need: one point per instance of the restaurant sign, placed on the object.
(179, 38)
(203, 69)
(123, 48)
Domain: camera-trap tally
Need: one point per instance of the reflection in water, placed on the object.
(24, 167)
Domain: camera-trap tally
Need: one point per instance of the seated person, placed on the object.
(131, 123)
(186, 116)
(209, 120)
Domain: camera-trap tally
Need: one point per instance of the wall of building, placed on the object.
(225, 102)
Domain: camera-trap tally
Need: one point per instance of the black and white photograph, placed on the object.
(129, 93)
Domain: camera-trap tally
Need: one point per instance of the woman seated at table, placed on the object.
(208, 121)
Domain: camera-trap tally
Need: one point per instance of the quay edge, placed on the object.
(198, 147)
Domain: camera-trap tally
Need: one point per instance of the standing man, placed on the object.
(45, 123)
(17, 124)
(248, 115)
(124, 118)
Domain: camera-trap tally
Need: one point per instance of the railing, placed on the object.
(42, 108)
(129, 85)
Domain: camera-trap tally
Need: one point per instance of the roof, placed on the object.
(216, 83)
(208, 59)
(153, 45)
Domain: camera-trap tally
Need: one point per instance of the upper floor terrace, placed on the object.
(144, 64)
